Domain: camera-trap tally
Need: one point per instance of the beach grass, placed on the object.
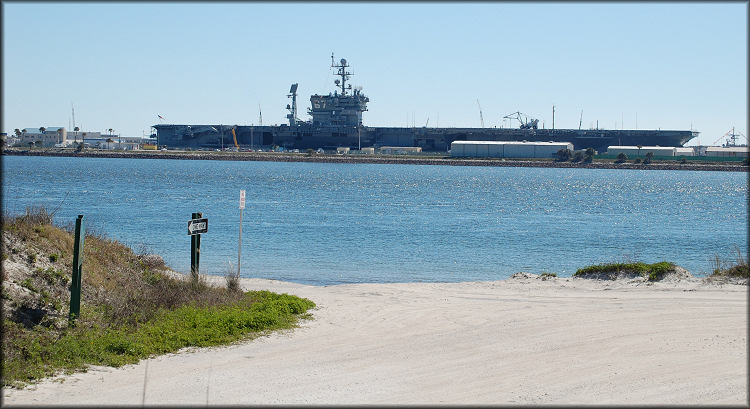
(735, 266)
(652, 272)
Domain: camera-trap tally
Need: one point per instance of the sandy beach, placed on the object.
(524, 340)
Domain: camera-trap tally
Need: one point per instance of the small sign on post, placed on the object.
(196, 226)
(239, 248)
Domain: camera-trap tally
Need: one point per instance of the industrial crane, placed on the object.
(731, 138)
(235, 140)
(525, 124)
(481, 119)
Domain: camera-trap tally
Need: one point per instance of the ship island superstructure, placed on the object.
(336, 121)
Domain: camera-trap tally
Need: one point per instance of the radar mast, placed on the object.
(292, 116)
(343, 73)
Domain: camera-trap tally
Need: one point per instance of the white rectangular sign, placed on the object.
(197, 226)
(242, 199)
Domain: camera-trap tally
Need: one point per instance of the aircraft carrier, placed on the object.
(336, 121)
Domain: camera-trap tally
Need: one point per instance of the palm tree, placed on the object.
(622, 157)
(110, 130)
(41, 130)
(59, 135)
(76, 135)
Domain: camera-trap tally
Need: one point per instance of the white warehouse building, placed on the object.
(634, 151)
(684, 151)
(507, 149)
(727, 152)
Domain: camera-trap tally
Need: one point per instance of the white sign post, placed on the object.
(239, 250)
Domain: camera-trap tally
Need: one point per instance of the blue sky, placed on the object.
(664, 65)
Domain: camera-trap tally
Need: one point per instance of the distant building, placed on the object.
(507, 149)
(115, 142)
(635, 151)
(399, 150)
(684, 151)
(60, 137)
(48, 138)
(727, 152)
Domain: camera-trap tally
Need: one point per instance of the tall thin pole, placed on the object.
(239, 249)
(553, 117)
(75, 285)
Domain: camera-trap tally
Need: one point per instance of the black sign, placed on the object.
(197, 226)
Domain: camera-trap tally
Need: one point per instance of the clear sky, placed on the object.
(632, 65)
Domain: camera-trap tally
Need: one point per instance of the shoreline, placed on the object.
(391, 160)
(525, 340)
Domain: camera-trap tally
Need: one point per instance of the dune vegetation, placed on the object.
(132, 305)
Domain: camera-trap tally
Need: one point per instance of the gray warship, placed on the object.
(336, 121)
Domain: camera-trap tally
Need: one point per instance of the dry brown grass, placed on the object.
(735, 266)
(117, 283)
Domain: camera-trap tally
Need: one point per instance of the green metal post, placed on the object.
(75, 285)
(195, 250)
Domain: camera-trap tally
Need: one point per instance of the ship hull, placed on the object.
(307, 136)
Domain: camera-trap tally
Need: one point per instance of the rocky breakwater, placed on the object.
(377, 159)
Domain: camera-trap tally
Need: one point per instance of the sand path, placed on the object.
(516, 341)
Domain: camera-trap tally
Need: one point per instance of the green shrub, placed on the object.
(652, 272)
(38, 353)
(564, 155)
(28, 284)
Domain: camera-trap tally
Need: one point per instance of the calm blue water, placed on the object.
(348, 223)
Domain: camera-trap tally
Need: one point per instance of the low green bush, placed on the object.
(41, 352)
(652, 272)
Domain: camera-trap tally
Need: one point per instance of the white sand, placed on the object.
(517, 341)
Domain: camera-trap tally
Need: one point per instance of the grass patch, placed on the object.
(40, 352)
(652, 272)
(736, 266)
(130, 307)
